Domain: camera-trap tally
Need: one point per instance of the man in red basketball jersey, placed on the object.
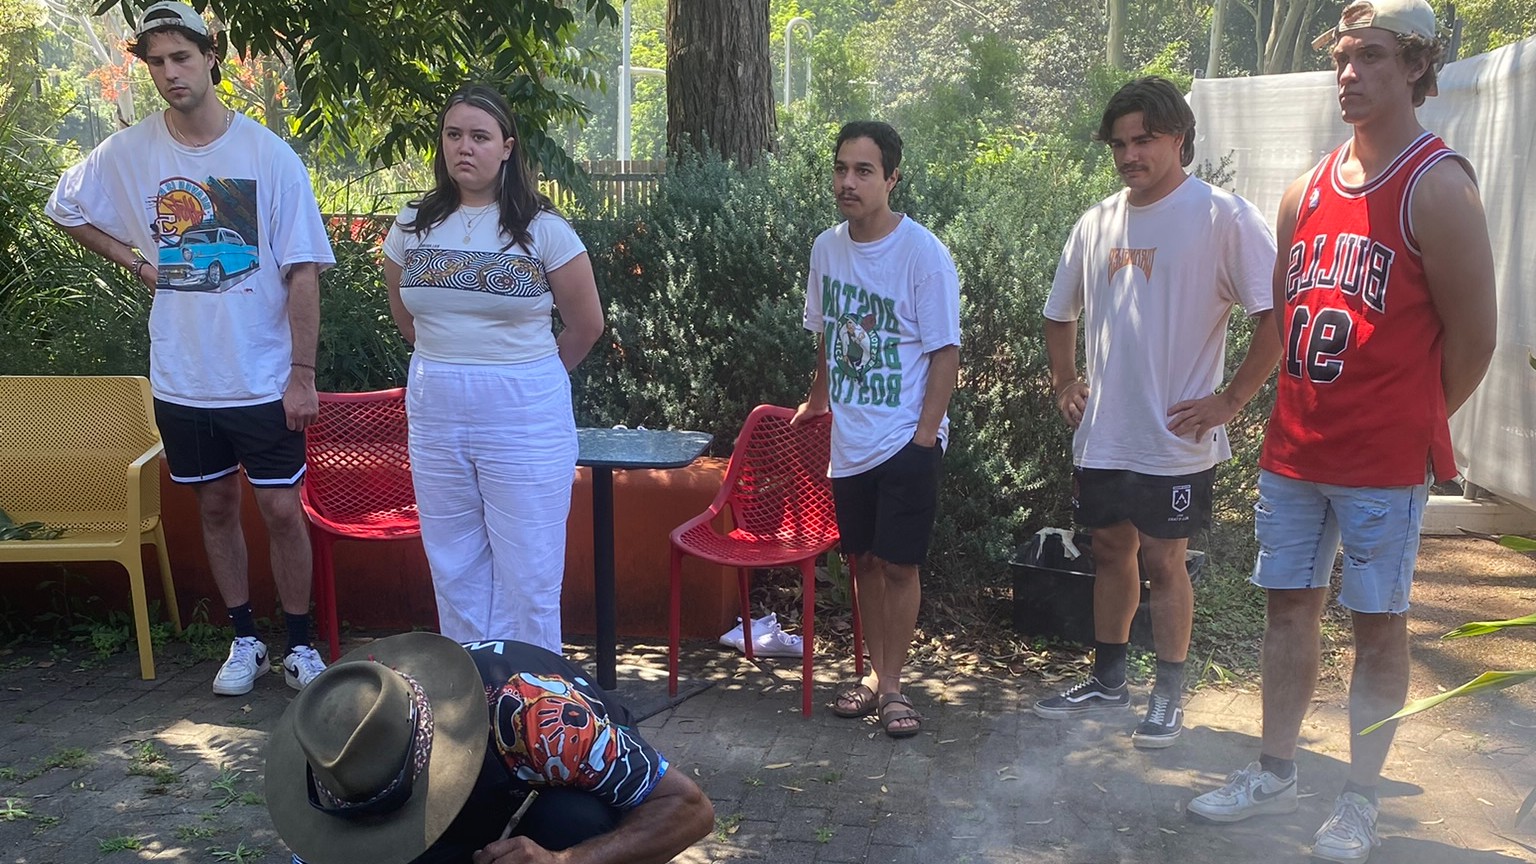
(1385, 280)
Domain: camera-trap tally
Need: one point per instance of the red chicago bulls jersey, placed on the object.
(1359, 400)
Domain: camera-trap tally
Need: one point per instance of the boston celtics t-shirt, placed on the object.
(881, 307)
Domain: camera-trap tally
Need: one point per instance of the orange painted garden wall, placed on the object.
(387, 586)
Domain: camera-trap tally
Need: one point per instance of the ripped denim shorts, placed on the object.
(1301, 526)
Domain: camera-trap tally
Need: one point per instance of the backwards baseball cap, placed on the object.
(1403, 17)
(169, 13)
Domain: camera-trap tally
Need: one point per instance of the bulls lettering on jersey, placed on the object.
(1359, 400)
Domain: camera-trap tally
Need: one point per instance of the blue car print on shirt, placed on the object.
(206, 258)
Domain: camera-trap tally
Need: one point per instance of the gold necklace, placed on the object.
(469, 224)
(229, 116)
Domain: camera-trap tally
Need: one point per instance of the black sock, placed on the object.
(1109, 663)
(1170, 679)
(298, 630)
(1366, 792)
(1285, 769)
(244, 619)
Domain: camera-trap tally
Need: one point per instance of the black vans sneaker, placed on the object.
(1088, 697)
(1164, 722)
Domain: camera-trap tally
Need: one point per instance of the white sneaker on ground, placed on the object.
(1350, 833)
(301, 666)
(768, 638)
(1249, 792)
(247, 661)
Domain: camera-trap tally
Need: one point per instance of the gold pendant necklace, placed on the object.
(469, 224)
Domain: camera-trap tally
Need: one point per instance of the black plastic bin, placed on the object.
(1053, 595)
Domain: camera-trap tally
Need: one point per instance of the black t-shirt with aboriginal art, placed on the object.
(550, 727)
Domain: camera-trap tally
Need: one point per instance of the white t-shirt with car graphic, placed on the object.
(222, 224)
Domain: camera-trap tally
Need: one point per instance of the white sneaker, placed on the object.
(247, 661)
(301, 666)
(1249, 792)
(1350, 833)
(768, 638)
(733, 638)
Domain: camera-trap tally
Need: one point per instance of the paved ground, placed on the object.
(97, 765)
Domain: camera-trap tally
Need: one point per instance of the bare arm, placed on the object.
(1195, 417)
(943, 372)
(300, 403)
(1452, 230)
(818, 401)
(581, 311)
(674, 817)
(112, 249)
(1070, 389)
(404, 321)
(1285, 229)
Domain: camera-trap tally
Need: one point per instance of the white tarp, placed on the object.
(1275, 127)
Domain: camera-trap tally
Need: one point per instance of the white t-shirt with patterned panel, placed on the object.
(881, 307)
(223, 224)
(482, 301)
(1158, 284)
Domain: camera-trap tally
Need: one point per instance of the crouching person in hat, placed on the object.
(418, 749)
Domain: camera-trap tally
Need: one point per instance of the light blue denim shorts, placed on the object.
(1301, 526)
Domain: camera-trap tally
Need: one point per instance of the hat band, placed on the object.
(398, 791)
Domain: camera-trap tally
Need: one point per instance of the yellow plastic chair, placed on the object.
(80, 453)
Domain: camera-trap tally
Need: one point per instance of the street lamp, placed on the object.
(788, 28)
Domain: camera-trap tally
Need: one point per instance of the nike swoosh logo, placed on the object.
(1261, 795)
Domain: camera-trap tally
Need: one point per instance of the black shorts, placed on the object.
(889, 509)
(1169, 508)
(203, 444)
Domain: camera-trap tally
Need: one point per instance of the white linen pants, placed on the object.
(493, 457)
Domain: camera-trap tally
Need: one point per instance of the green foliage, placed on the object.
(360, 349)
(10, 530)
(704, 288)
(361, 66)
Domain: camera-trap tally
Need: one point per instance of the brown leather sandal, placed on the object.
(894, 708)
(860, 697)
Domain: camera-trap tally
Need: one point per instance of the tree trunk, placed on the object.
(1114, 47)
(719, 78)
(1218, 26)
(1280, 49)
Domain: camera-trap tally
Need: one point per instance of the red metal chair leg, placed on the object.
(674, 618)
(744, 586)
(323, 590)
(808, 625)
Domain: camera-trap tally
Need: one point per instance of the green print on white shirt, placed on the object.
(862, 334)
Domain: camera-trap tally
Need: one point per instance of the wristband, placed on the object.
(303, 366)
(1063, 388)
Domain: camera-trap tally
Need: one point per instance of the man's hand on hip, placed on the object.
(1192, 418)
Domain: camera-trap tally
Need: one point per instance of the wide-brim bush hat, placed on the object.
(377, 755)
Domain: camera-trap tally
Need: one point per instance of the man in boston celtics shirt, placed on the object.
(884, 297)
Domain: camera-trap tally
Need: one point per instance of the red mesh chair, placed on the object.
(358, 485)
(779, 501)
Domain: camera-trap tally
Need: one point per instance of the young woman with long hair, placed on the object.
(474, 270)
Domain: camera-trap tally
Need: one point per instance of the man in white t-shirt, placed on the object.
(884, 297)
(1156, 269)
(216, 215)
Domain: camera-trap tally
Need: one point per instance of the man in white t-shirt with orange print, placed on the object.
(1154, 270)
(884, 297)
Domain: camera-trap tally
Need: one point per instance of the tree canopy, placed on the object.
(388, 66)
